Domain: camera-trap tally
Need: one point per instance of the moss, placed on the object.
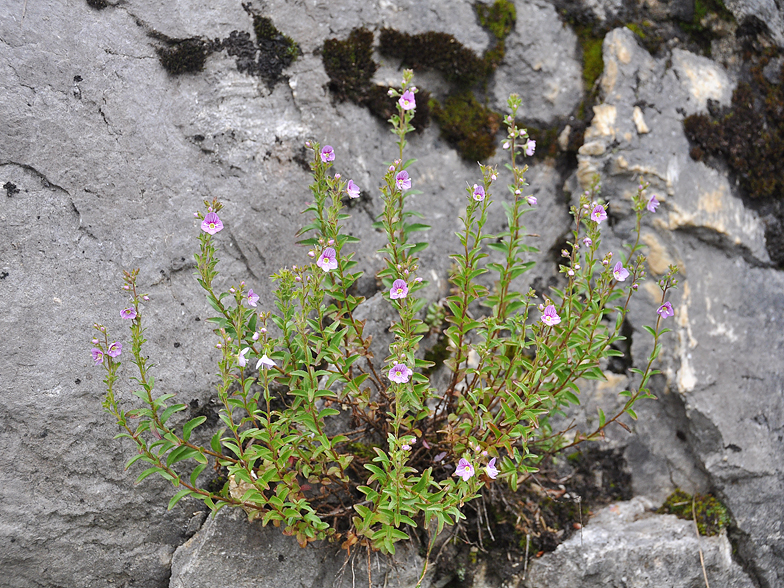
(468, 125)
(498, 18)
(181, 56)
(698, 30)
(361, 450)
(593, 61)
(350, 67)
(712, 516)
(749, 136)
(636, 29)
(436, 51)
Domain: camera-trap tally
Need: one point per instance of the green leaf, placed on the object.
(196, 471)
(148, 472)
(171, 410)
(190, 425)
(177, 497)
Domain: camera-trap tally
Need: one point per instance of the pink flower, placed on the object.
(405, 447)
(114, 350)
(464, 469)
(407, 100)
(587, 241)
(652, 204)
(550, 317)
(491, 470)
(598, 214)
(265, 362)
(97, 355)
(531, 200)
(327, 154)
(479, 193)
(620, 273)
(128, 313)
(211, 223)
(400, 373)
(399, 289)
(402, 181)
(241, 359)
(665, 310)
(352, 189)
(530, 147)
(253, 298)
(328, 259)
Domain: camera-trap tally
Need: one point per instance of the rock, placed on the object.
(762, 15)
(713, 426)
(229, 551)
(541, 64)
(626, 545)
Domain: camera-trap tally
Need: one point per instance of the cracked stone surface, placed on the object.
(111, 155)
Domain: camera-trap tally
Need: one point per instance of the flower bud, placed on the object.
(337, 176)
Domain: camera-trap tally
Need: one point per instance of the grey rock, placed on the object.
(230, 552)
(718, 419)
(626, 545)
(767, 13)
(541, 65)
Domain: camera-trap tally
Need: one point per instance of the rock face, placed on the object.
(625, 545)
(104, 156)
(228, 551)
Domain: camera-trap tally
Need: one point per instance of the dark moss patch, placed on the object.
(749, 137)
(97, 4)
(468, 125)
(267, 56)
(712, 516)
(10, 189)
(181, 56)
(350, 67)
(435, 51)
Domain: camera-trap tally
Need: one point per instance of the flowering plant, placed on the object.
(323, 439)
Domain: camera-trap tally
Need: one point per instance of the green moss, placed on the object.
(437, 354)
(593, 62)
(361, 450)
(183, 55)
(498, 18)
(712, 516)
(698, 32)
(436, 51)
(468, 125)
(636, 29)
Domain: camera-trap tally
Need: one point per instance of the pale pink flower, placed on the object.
(400, 373)
(128, 313)
(211, 223)
(491, 470)
(598, 214)
(328, 259)
(399, 289)
(407, 100)
(97, 355)
(327, 154)
(479, 193)
(464, 469)
(402, 181)
(253, 298)
(652, 204)
(620, 273)
(550, 317)
(241, 359)
(352, 189)
(666, 310)
(265, 362)
(115, 349)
